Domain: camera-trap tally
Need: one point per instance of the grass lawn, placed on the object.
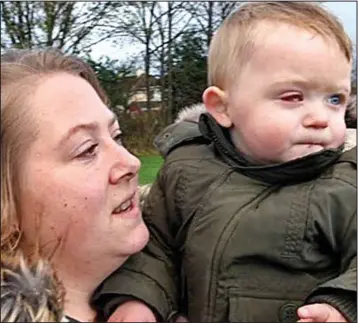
(149, 169)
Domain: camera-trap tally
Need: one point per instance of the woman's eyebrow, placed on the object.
(91, 127)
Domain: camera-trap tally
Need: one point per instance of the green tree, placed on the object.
(189, 70)
(116, 79)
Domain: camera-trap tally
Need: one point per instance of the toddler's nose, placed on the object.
(316, 118)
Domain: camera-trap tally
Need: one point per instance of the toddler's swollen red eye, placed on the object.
(292, 98)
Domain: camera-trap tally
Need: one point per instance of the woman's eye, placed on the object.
(89, 152)
(295, 97)
(118, 139)
(336, 99)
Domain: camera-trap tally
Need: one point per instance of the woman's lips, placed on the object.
(129, 208)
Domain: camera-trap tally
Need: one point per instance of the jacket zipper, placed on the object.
(218, 253)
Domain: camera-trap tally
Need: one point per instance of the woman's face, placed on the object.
(78, 184)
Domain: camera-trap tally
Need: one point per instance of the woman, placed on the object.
(68, 186)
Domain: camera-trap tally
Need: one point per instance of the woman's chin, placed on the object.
(138, 240)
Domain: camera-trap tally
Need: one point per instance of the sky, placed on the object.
(347, 13)
(344, 10)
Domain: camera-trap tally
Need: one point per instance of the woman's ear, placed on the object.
(215, 101)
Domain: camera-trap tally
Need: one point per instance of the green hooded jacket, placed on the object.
(232, 241)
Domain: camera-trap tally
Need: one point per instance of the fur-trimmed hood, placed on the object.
(30, 293)
(191, 113)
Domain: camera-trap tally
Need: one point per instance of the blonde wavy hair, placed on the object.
(21, 72)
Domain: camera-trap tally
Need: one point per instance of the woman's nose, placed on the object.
(126, 166)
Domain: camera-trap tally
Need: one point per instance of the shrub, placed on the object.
(140, 129)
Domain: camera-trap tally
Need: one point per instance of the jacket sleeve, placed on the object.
(151, 275)
(336, 229)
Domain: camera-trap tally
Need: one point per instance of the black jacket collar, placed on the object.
(298, 170)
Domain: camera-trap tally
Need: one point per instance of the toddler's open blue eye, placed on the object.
(335, 99)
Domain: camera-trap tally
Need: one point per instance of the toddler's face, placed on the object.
(290, 99)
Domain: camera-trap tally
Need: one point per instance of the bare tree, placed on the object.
(172, 21)
(210, 14)
(150, 24)
(170, 72)
(136, 20)
(70, 26)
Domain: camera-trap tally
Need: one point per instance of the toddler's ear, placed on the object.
(215, 101)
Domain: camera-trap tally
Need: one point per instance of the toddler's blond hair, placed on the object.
(234, 42)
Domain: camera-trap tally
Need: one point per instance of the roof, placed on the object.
(134, 83)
